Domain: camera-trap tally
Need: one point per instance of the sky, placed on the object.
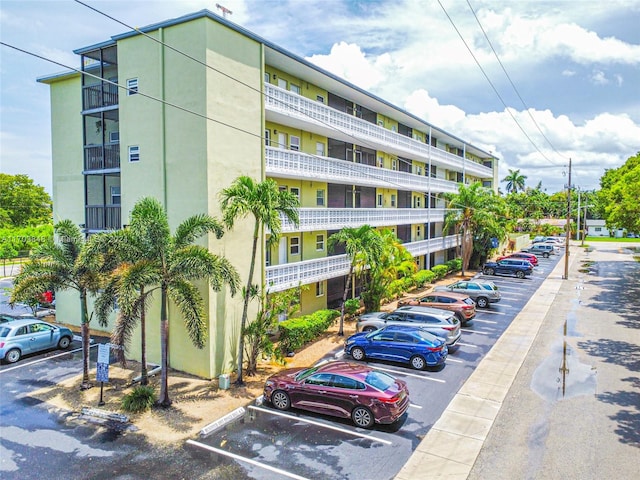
(535, 83)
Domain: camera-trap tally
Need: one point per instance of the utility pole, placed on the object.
(568, 232)
(578, 217)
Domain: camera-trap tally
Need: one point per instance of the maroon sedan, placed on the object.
(341, 389)
(530, 257)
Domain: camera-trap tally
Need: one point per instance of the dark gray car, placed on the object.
(483, 293)
(442, 323)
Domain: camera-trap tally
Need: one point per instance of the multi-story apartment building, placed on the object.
(181, 110)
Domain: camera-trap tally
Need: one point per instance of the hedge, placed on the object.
(422, 277)
(454, 265)
(295, 332)
(440, 271)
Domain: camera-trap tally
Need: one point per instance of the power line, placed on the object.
(493, 86)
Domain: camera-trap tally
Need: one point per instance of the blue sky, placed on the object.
(574, 63)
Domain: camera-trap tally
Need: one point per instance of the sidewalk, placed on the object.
(453, 445)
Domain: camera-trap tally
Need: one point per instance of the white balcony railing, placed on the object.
(295, 110)
(293, 164)
(289, 275)
(312, 219)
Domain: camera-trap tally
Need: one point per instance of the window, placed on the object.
(282, 188)
(418, 170)
(320, 149)
(418, 232)
(319, 289)
(294, 88)
(115, 195)
(319, 198)
(598, 229)
(134, 153)
(296, 192)
(294, 246)
(132, 86)
(417, 203)
(380, 162)
(434, 171)
(380, 200)
(320, 98)
(267, 77)
(114, 137)
(394, 164)
(394, 128)
(294, 142)
(267, 137)
(319, 242)
(393, 199)
(282, 83)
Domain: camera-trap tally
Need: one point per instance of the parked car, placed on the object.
(30, 335)
(462, 305)
(397, 343)
(541, 249)
(483, 293)
(522, 256)
(341, 389)
(519, 268)
(438, 322)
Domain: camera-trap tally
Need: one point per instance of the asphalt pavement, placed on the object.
(558, 395)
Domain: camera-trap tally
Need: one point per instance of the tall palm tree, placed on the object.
(63, 265)
(515, 181)
(169, 264)
(265, 202)
(472, 208)
(362, 245)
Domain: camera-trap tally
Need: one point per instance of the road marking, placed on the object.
(414, 405)
(493, 312)
(476, 331)
(467, 345)
(44, 359)
(319, 424)
(454, 360)
(411, 374)
(485, 321)
(245, 459)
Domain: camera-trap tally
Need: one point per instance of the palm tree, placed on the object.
(64, 265)
(362, 245)
(265, 202)
(515, 181)
(170, 263)
(471, 209)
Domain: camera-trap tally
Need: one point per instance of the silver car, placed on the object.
(483, 293)
(439, 322)
(30, 335)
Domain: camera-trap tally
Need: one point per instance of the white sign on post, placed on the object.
(103, 353)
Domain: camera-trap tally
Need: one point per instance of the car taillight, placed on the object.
(435, 349)
(394, 399)
(1, 344)
(451, 328)
(467, 307)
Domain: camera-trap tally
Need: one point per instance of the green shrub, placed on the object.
(396, 288)
(140, 399)
(351, 306)
(440, 271)
(295, 332)
(454, 265)
(423, 277)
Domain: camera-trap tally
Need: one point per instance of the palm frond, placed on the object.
(195, 227)
(189, 301)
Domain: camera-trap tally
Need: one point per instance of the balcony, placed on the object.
(99, 96)
(102, 157)
(102, 217)
(289, 275)
(313, 219)
(294, 164)
(290, 109)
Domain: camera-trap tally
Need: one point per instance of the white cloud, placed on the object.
(568, 73)
(598, 77)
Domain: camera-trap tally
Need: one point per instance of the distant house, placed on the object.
(597, 228)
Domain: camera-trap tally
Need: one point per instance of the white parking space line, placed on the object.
(467, 345)
(411, 374)
(319, 424)
(485, 321)
(493, 312)
(44, 359)
(476, 331)
(245, 459)
(412, 405)
(454, 360)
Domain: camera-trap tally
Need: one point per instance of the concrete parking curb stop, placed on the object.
(453, 444)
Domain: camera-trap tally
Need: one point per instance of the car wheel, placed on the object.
(520, 274)
(13, 355)
(369, 329)
(482, 302)
(281, 400)
(418, 362)
(64, 343)
(545, 255)
(461, 318)
(489, 271)
(357, 353)
(362, 417)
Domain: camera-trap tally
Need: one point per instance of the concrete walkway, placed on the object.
(451, 447)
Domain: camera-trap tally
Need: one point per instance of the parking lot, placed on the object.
(268, 443)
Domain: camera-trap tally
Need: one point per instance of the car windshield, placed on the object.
(379, 380)
(468, 301)
(305, 373)
(4, 331)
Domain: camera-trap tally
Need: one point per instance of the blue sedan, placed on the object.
(405, 344)
(30, 335)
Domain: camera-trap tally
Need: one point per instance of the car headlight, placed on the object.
(350, 342)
